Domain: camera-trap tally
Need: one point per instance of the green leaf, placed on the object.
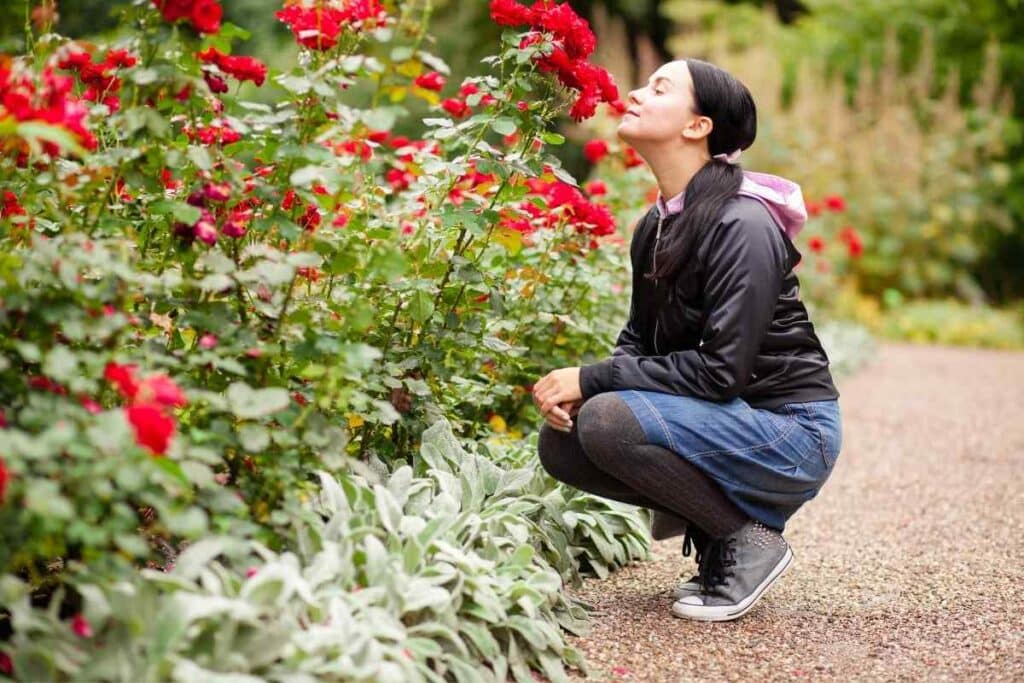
(186, 213)
(253, 437)
(552, 138)
(60, 364)
(504, 125)
(248, 403)
(421, 306)
(37, 130)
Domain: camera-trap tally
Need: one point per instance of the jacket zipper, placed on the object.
(657, 238)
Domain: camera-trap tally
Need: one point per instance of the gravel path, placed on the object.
(908, 563)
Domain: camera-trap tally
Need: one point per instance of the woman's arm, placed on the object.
(746, 263)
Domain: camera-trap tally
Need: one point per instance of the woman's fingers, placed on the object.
(559, 419)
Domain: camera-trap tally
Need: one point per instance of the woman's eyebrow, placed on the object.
(662, 78)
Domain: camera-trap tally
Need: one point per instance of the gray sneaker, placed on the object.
(735, 573)
(695, 540)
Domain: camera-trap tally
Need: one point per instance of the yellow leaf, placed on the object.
(424, 94)
(510, 239)
(498, 424)
(410, 67)
(355, 421)
(561, 340)
(397, 93)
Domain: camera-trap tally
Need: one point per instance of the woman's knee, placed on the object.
(555, 450)
(604, 421)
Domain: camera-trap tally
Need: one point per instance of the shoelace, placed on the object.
(720, 555)
(692, 543)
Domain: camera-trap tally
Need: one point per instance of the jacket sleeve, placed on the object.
(745, 266)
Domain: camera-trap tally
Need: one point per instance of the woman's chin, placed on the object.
(627, 129)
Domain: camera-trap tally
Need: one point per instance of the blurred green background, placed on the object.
(912, 111)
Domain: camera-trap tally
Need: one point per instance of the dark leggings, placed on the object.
(607, 454)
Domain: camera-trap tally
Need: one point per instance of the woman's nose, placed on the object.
(632, 98)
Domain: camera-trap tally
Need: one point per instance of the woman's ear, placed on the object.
(698, 127)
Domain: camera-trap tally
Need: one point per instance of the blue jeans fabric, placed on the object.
(767, 462)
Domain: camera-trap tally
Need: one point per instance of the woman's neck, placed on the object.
(673, 168)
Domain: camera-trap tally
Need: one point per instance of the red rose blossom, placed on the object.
(204, 15)
(431, 81)
(80, 626)
(835, 203)
(455, 107)
(152, 428)
(5, 478)
(595, 150)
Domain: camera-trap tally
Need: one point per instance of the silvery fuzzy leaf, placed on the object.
(388, 509)
(194, 607)
(333, 500)
(399, 483)
(187, 671)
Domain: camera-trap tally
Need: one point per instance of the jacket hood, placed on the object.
(781, 196)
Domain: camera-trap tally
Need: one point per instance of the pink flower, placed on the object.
(217, 192)
(207, 341)
(80, 626)
(205, 231)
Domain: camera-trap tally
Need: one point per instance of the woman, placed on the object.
(716, 409)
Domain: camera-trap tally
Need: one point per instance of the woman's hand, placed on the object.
(561, 415)
(556, 394)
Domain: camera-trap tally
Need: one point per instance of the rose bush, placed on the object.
(206, 300)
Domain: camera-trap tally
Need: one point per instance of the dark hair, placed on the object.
(727, 102)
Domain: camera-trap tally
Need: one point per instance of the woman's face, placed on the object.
(661, 110)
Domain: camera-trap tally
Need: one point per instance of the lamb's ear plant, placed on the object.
(438, 574)
(265, 362)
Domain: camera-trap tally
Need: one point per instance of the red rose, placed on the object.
(572, 29)
(123, 377)
(313, 27)
(816, 244)
(456, 108)
(205, 16)
(595, 150)
(431, 81)
(5, 478)
(160, 390)
(244, 68)
(153, 429)
(835, 203)
(632, 158)
(585, 105)
(596, 187)
(510, 13)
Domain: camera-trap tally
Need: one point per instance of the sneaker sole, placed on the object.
(730, 612)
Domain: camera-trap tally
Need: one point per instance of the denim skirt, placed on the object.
(768, 462)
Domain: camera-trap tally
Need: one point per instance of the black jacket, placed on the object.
(746, 334)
